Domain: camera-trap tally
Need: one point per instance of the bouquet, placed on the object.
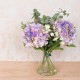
(47, 34)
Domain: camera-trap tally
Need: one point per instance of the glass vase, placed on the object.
(47, 68)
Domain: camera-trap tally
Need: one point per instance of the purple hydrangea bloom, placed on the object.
(66, 31)
(35, 35)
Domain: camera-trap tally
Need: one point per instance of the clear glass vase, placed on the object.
(47, 68)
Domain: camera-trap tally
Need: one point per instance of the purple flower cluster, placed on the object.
(66, 31)
(35, 35)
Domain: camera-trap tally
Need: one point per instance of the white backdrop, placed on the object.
(13, 12)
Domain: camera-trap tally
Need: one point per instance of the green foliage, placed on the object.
(71, 45)
(58, 48)
(36, 14)
(40, 48)
(23, 26)
(55, 17)
(45, 19)
(64, 12)
(54, 45)
(60, 14)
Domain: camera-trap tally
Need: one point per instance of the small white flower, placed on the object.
(62, 43)
(52, 34)
(55, 39)
(47, 31)
(56, 33)
(47, 27)
(61, 38)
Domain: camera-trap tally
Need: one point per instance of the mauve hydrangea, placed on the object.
(35, 35)
(66, 31)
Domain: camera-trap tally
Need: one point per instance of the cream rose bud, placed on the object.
(52, 34)
(55, 39)
(62, 43)
(47, 27)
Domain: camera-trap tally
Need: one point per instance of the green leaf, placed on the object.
(36, 48)
(64, 11)
(48, 17)
(40, 48)
(42, 20)
(54, 17)
(36, 14)
(67, 14)
(45, 19)
(60, 16)
(23, 26)
(57, 14)
(71, 45)
(55, 45)
(58, 48)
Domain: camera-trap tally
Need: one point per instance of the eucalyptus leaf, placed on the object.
(64, 11)
(60, 16)
(54, 17)
(36, 14)
(45, 19)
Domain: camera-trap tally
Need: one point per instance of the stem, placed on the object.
(43, 59)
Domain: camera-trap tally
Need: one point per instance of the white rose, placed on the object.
(52, 34)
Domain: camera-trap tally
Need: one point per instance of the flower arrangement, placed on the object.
(47, 34)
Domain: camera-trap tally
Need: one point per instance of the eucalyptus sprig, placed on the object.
(45, 19)
(36, 15)
(60, 14)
